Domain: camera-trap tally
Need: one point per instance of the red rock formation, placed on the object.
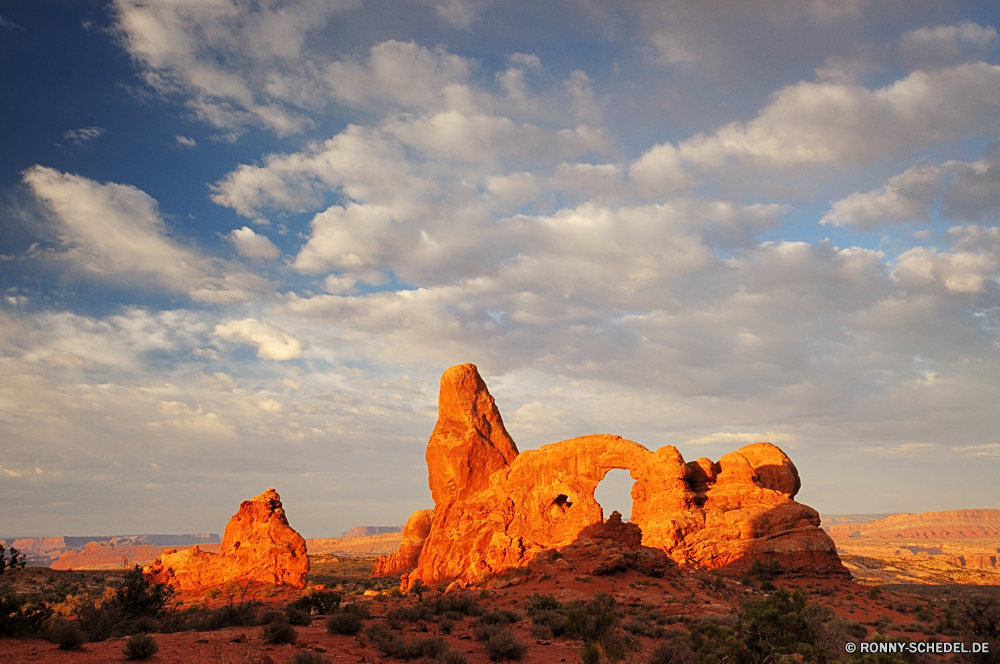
(259, 547)
(954, 524)
(496, 510)
(417, 527)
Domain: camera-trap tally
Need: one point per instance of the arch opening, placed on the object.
(614, 493)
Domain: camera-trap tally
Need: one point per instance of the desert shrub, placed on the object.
(873, 592)
(19, 617)
(767, 587)
(409, 613)
(554, 621)
(430, 647)
(925, 615)
(213, 593)
(344, 623)
(233, 614)
(640, 624)
(145, 625)
(308, 657)
(590, 653)
(268, 591)
(499, 617)
(445, 625)
(140, 646)
(979, 620)
(418, 588)
(321, 602)
(15, 562)
(761, 630)
(541, 632)
(673, 650)
(279, 632)
(297, 617)
(453, 657)
(132, 599)
(504, 646)
(66, 634)
(357, 608)
(463, 603)
(537, 603)
(270, 616)
(617, 644)
(590, 621)
(486, 631)
(385, 641)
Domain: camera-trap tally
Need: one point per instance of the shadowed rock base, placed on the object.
(497, 510)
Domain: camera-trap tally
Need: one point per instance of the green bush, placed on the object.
(140, 646)
(673, 650)
(344, 623)
(279, 632)
(551, 620)
(385, 641)
(590, 621)
(590, 654)
(445, 625)
(462, 602)
(430, 647)
(499, 617)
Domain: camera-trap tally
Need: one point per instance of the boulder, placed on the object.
(259, 547)
(496, 510)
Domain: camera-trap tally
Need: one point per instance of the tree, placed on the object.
(16, 561)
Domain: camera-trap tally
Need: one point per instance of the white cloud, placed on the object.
(903, 198)
(116, 231)
(946, 44)
(237, 63)
(84, 134)
(827, 123)
(974, 263)
(974, 190)
(272, 342)
(252, 245)
(186, 142)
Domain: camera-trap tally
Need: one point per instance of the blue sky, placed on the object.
(240, 241)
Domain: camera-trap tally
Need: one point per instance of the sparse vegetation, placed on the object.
(503, 646)
(308, 657)
(14, 562)
(344, 623)
(140, 647)
(279, 632)
(66, 634)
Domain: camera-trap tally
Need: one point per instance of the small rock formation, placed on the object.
(417, 527)
(259, 547)
(496, 510)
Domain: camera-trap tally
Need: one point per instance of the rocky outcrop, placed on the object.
(415, 532)
(496, 510)
(954, 524)
(258, 547)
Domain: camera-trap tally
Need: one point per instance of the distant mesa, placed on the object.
(497, 510)
(954, 524)
(258, 547)
(102, 552)
(368, 531)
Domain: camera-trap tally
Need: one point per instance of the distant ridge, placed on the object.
(368, 531)
(46, 551)
(953, 524)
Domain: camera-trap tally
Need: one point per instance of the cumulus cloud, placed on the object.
(974, 190)
(946, 44)
(272, 342)
(840, 124)
(251, 245)
(903, 198)
(185, 142)
(116, 231)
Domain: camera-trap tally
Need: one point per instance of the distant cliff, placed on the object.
(368, 531)
(102, 551)
(955, 524)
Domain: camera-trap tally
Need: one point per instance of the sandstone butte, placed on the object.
(258, 547)
(497, 510)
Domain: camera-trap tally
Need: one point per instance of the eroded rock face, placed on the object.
(417, 527)
(259, 547)
(496, 510)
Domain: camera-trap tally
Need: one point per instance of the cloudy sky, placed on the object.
(240, 241)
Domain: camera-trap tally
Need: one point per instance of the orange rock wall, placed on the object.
(259, 547)
(496, 509)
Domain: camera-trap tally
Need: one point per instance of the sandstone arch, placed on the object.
(497, 509)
